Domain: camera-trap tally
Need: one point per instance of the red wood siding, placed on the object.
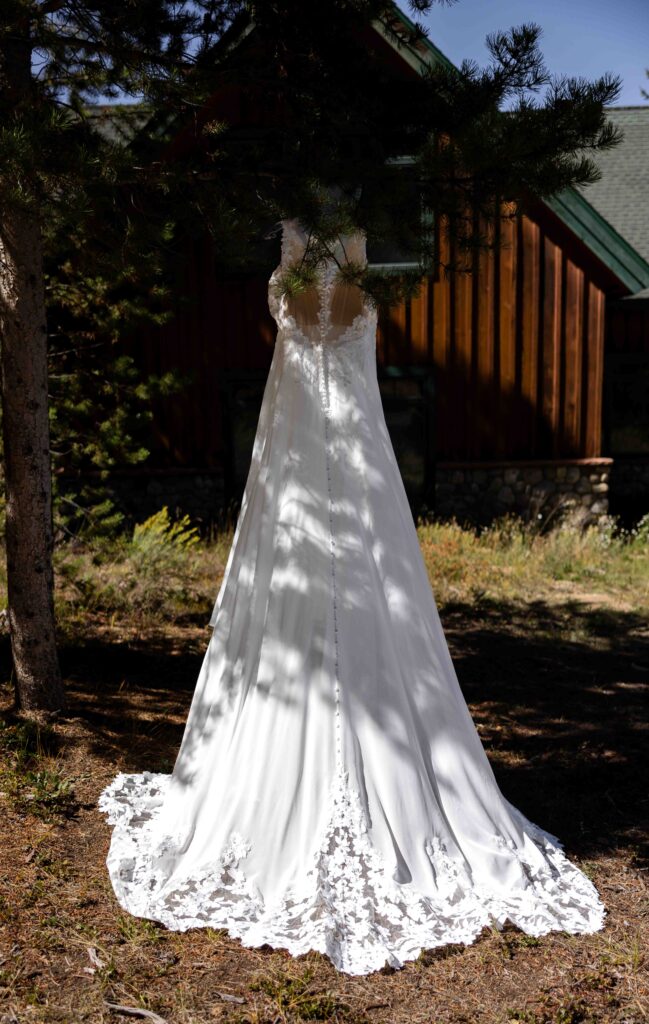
(516, 348)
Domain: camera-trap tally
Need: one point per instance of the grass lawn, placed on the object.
(550, 636)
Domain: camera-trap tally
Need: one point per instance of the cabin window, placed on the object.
(626, 403)
(402, 254)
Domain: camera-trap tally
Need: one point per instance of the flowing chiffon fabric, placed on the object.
(331, 792)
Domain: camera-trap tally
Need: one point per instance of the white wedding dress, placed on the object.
(331, 792)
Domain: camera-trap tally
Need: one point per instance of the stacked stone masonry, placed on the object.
(469, 492)
(535, 490)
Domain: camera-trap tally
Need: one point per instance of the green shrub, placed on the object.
(160, 545)
(154, 570)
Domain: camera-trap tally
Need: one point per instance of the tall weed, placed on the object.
(155, 570)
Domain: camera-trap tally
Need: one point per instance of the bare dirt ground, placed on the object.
(557, 687)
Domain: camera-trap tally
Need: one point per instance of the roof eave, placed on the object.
(601, 238)
(418, 57)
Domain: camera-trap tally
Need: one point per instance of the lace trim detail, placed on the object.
(346, 904)
(348, 364)
(292, 247)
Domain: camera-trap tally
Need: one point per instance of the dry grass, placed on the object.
(555, 668)
(157, 576)
(512, 561)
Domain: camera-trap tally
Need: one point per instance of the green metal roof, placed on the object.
(601, 238)
(420, 54)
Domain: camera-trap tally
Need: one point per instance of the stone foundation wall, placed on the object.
(480, 492)
(472, 492)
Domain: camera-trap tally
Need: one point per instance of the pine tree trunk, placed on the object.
(25, 426)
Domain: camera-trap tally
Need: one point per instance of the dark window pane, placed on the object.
(626, 392)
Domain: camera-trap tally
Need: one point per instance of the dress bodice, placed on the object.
(347, 248)
(329, 311)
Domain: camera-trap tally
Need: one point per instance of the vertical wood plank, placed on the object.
(594, 347)
(485, 441)
(507, 334)
(529, 334)
(441, 323)
(381, 341)
(419, 332)
(440, 291)
(400, 321)
(462, 345)
(394, 341)
(551, 341)
(441, 300)
(573, 355)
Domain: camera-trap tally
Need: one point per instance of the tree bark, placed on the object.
(28, 482)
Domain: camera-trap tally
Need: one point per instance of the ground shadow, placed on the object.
(558, 693)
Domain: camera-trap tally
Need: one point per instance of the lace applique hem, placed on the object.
(346, 905)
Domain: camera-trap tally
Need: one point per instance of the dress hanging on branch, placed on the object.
(331, 791)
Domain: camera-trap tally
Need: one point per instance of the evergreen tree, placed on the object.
(111, 214)
(63, 178)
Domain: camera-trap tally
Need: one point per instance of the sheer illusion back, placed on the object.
(325, 310)
(330, 791)
(346, 304)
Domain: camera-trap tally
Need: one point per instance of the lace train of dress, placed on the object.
(331, 791)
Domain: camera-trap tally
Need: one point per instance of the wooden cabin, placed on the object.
(494, 382)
